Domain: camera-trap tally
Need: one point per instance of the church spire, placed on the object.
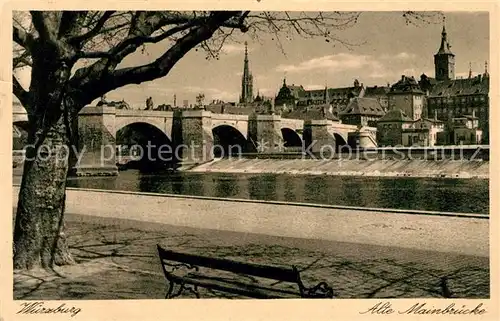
(246, 51)
(246, 80)
(470, 70)
(445, 45)
(486, 69)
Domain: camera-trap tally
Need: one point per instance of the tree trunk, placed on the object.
(39, 239)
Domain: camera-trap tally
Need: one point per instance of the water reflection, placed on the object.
(226, 186)
(405, 193)
(263, 187)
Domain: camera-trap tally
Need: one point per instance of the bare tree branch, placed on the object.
(21, 60)
(158, 68)
(94, 55)
(21, 93)
(46, 23)
(70, 22)
(94, 31)
(22, 38)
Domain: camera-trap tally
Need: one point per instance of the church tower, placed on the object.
(444, 59)
(246, 81)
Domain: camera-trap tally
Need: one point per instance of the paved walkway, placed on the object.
(461, 235)
(118, 260)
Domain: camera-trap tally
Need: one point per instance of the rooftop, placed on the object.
(406, 85)
(455, 87)
(363, 106)
(395, 115)
(310, 112)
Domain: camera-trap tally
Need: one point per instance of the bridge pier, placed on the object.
(264, 133)
(192, 137)
(96, 142)
(318, 140)
(362, 138)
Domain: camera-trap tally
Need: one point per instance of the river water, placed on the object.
(450, 195)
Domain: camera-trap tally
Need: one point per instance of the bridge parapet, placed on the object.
(295, 124)
(230, 117)
(196, 113)
(144, 113)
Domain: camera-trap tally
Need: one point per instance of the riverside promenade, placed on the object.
(362, 254)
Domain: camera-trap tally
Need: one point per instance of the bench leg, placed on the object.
(196, 292)
(190, 288)
(169, 290)
(174, 290)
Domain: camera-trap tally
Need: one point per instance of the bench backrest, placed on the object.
(270, 272)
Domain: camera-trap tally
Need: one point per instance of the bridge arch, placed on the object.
(238, 122)
(157, 122)
(228, 141)
(143, 145)
(290, 137)
(340, 141)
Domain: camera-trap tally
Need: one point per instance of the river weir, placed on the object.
(447, 168)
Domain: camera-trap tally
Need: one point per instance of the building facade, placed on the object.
(362, 111)
(390, 128)
(459, 97)
(407, 96)
(451, 98)
(466, 131)
(423, 132)
(293, 96)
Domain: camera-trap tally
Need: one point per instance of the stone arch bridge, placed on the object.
(198, 131)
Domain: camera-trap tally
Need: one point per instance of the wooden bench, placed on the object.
(182, 271)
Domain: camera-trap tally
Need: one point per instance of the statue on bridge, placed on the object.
(149, 104)
(121, 104)
(271, 109)
(324, 112)
(117, 104)
(163, 107)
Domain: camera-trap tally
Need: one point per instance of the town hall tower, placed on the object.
(444, 60)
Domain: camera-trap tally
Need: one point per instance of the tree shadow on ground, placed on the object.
(122, 263)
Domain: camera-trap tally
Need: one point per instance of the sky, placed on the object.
(385, 48)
